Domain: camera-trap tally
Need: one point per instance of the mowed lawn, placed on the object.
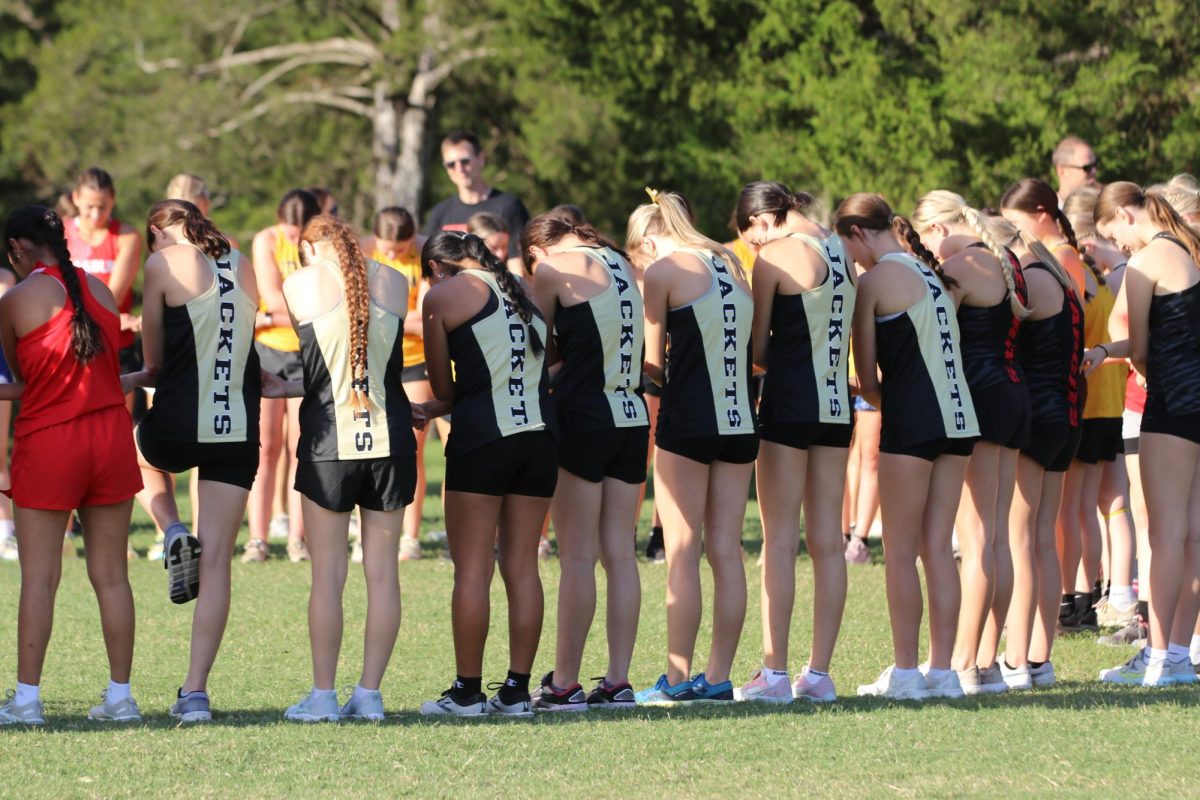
(1079, 739)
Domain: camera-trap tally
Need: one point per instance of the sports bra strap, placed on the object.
(1170, 237)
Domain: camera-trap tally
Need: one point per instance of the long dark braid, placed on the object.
(904, 229)
(1068, 232)
(42, 226)
(510, 285)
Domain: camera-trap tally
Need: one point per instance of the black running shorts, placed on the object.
(376, 484)
(1100, 440)
(1053, 444)
(803, 435)
(523, 464)
(615, 453)
(1004, 414)
(738, 448)
(931, 450)
(279, 363)
(235, 463)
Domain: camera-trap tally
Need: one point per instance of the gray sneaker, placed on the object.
(192, 707)
(28, 714)
(991, 680)
(1128, 635)
(181, 557)
(322, 707)
(125, 710)
(368, 705)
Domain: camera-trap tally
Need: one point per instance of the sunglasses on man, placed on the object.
(461, 163)
(1091, 166)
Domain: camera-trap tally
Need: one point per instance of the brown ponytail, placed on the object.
(1068, 233)
(197, 228)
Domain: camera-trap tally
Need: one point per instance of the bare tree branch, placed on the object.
(362, 52)
(322, 97)
(434, 77)
(279, 70)
(24, 14)
(151, 67)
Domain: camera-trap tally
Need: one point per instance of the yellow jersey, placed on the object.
(413, 345)
(1106, 386)
(287, 259)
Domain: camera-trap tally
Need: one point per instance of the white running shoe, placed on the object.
(125, 710)
(1157, 675)
(814, 689)
(896, 687)
(1131, 673)
(759, 689)
(410, 549)
(943, 683)
(28, 714)
(521, 708)
(364, 705)
(278, 527)
(8, 549)
(447, 706)
(990, 681)
(1017, 678)
(1042, 677)
(1182, 672)
(315, 707)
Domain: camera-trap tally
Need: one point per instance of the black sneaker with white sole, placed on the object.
(548, 697)
(181, 557)
(605, 696)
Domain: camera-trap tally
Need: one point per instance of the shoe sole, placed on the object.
(434, 710)
(362, 717)
(569, 708)
(611, 706)
(95, 718)
(667, 703)
(825, 698)
(193, 717)
(312, 717)
(905, 696)
(740, 697)
(992, 688)
(183, 569)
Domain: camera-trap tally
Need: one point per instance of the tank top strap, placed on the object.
(1170, 237)
(811, 241)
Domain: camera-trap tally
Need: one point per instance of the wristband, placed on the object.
(1105, 349)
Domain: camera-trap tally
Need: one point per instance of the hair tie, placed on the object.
(653, 195)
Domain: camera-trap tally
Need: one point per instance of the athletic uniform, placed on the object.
(927, 407)
(806, 394)
(502, 441)
(348, 458)
(604, 429)
(277, 346)
(207, 395)
(1173, 363)
(994, 374)
(73, 438)
(706, 413)
(413, 346)
(1101, 434)
(100, 260)
(1051, 351)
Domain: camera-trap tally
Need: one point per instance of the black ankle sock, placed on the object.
(1036, 664)
(466, 688)
(516, 687)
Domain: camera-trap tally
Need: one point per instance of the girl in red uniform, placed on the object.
(59, 329)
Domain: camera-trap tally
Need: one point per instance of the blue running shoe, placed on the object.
(712, 692)
(664, 694)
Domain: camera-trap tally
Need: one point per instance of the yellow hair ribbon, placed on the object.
(653, 195)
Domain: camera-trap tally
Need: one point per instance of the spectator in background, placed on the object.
(464, 160)
(325, 198)
(493, 230)
(1075, 165)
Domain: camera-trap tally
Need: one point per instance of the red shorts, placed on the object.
(89, 461)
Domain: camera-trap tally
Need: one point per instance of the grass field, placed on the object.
(1079, 739)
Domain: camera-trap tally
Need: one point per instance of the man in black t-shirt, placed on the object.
(464, 160)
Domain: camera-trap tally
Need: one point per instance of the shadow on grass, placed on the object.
(1068, 696)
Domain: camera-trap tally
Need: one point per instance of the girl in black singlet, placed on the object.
(1162, 292)
(992, 296)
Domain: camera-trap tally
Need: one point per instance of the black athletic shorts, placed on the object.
(1004, 414)
(523, 463)
(235, 463)
(615, 453)
(738, 448)
(1185, 426)
(649, 387)
(1053, 444)
(286, 366)
(802, 435)
(130, 358)
(930, 450)
(1100, 440)
(416, 372)
(376, 484)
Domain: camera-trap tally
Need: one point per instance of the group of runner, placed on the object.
(995, 344)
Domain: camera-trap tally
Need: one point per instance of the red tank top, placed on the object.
(57, 387)
(99, 260)
(1135, 395)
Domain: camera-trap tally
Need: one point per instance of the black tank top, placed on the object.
(1173, 360)
(989, 337)
(1050, 352)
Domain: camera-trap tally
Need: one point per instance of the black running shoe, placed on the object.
(605, 696)
(548, 697)
(1068, 616)
(655, 549)
(181, 557)
(1085, 613)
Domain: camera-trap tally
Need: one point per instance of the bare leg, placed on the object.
(106, 536)
(825, 483)
(1049, 573)
(418, 392)
(1022, 533)
(262, 493)
(39, 542)
(381, 544)
(327, 536)
(295, 511)
(681, 494)
(1069, 545)
(937, 556)
(471, 521)
(576, 510)
(624, 584)
(1089, 529)
(868, 426)
(780, 476)
(725, 513)
(520, 527)
(976, 527)
(1114, 503)
(1002, 558)
(903, 488)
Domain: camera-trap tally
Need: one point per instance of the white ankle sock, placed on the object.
(117, 692)
(360, 692)
(26, 694)
(323, 693)
(1195, 648)
(905, 673)
(1155, 656)
(1122, 597)
(1177, 652)
(7, 530)
(933, 674)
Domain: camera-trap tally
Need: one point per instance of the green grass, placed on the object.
(1079, 739)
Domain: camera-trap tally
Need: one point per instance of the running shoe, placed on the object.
(760, 690)
(192, 707)
(1158, 675)
(713, 692)
(1043, 676)
(1182, 672)
(8, 549)
(181, 557)
(256, 552)
(1130, 634)
(968, 680)
(410, 549)
(1109, 616)
(857, 551)
(315, 707)
(363, 704)
(814, 688)
(1018, 678)
(896, 687)
(297, 551)
(1068, 615)
(519, 706)
(447, 706)
(155, 553)
(655, 550)
(664, 694)
(279, 527)
(610, 696)
(990, 681)
(125, 710)
(28, 714)
(1131, 673)
(1085, 613)
(545, 549)
(356, 552)
(943, 683)
(548, 697)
